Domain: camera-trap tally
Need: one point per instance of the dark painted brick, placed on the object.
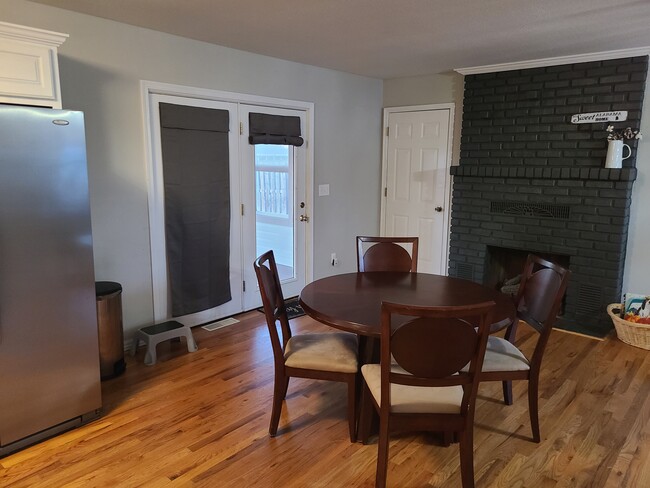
(550, 136)
(618, 98)
(629, 87)
(626, 68)
(591, 191)
(602, 107)
(580, 81)
(602, 71)
(557, 84)
(553, 119)
(620, 78)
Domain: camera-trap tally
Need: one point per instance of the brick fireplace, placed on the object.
(530, 181)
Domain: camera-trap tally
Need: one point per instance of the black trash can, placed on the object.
(109, 325)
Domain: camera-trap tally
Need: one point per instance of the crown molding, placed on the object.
(538, 63)
(31, 34)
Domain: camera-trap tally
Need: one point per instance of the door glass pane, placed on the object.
(274, 205)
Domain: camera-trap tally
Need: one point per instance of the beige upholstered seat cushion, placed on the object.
(413, 399)
(324, 352)
(501, 355)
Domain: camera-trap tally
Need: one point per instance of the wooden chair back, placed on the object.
(539, 298)
(273, 301)
(434, 346)
(541, 290)
(386, 254)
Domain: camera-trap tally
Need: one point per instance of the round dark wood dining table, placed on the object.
(352, 301)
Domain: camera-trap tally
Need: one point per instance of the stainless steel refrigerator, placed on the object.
(49, 359)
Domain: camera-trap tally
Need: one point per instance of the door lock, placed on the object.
(438, 209)
(304, 218)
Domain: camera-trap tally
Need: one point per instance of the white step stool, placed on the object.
(155, 334)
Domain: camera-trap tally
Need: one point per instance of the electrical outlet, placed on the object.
(334, 261)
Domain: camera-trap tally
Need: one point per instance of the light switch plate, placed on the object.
(323, 190)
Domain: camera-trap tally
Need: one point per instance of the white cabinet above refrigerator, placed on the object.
(29, 67)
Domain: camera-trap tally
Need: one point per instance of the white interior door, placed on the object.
(275, 206)
(162, 307)
(416, 181)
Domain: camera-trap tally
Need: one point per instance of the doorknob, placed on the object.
(304, 218)
(438, 209)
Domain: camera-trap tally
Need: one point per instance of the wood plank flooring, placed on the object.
(201, 420)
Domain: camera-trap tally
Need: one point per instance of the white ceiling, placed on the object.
(392, 38)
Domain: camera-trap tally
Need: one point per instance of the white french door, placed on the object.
(270, 198)
(276, 213)
(160, 277)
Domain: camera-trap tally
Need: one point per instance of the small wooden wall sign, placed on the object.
(594, 117)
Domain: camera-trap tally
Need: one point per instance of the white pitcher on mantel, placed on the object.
(615, 154)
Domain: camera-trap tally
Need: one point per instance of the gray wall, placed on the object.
(427, 90)
(101, 66)
(440, 89)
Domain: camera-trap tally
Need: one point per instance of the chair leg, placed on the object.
(507, 392)
(365, 417)
(533, 408)
(279, 392)
(352, 408)
(447, 438)
(382, 452)
(467, 458)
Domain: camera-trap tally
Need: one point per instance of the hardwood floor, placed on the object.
(201, 419)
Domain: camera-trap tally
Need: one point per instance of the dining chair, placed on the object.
(329, 356)
(386, 254)
(423, 387)
(538, 302)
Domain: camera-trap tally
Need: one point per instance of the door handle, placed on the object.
(438, 209)
(304, 218)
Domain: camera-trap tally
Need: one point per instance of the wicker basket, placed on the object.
(629, 332)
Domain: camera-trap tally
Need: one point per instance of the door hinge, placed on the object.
(387, 131)
(242, 209)
(241, 128)
(243, 285)
(385, 191)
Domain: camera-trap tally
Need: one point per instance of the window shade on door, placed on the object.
(274, 129)
(197, 206)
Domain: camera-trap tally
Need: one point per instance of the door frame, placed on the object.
(153, 168)
(446, 213)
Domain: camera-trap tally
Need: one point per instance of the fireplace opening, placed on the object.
(504, 267)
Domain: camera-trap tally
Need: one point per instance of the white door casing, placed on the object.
(416, 180)
(241, 263)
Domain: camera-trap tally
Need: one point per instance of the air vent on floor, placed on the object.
(219, 324)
